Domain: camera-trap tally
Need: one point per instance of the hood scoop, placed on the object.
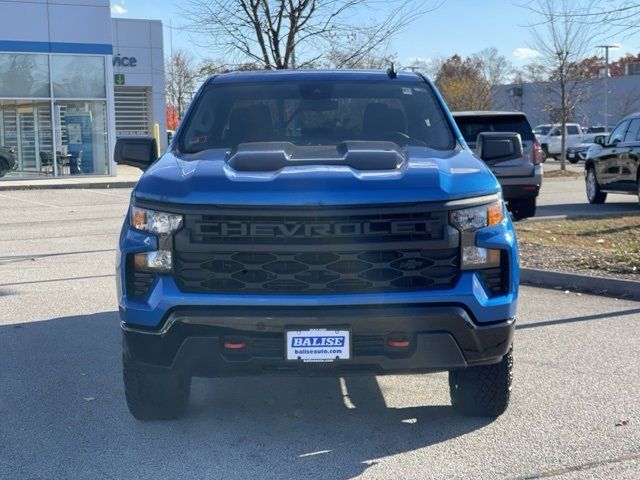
(274, 156)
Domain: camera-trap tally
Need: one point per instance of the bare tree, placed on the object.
(494, 68)
(351, 54)
(531, 73)
(278, 34)
(562, 40)
(210, 67)
(622, 17)
(181, 77)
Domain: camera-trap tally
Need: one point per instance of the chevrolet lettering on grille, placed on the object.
(319, 230)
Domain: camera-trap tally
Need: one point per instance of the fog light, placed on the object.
(159, 261)
(477, 257)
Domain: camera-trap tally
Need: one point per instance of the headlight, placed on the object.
(475, 218)
(151, 221)
(468, 221)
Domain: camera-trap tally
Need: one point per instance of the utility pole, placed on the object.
(606, 83)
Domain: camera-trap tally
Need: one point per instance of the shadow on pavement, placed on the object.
(586, 209)
(595, 316)
(63, 415)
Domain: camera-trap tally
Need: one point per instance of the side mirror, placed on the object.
(138, 152)
(502, 146)
(600, 140)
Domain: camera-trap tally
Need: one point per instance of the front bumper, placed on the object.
(449, 328)
(442, 337)
(579, 155)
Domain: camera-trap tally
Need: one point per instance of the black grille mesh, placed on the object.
(316, 272)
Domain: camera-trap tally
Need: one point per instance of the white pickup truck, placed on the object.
(549, 137)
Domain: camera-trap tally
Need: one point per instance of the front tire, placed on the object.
(522, 209)
(594, 194)
(482, 391)
(154, 394)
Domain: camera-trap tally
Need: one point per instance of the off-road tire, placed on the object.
(594, 194)
(522, 209)
(154, 394)
(482, 391)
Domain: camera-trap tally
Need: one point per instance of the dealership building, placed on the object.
(72, 80)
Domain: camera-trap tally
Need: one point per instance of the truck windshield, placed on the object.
(542, 130)
(312, 113)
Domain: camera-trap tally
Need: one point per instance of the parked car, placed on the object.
(519, 176)
(542, 130)
(551, 140)
(8, 160)
(578, 152)
(599, 129)
(612, 167)
(316, 223)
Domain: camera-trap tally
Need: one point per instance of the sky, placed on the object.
(458, 26)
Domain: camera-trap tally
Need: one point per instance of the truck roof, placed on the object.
(481, 113)
(294, 75)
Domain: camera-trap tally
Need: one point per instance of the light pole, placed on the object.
(606, 83)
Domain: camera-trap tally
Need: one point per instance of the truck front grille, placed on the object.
(316, 272)
(304, 251)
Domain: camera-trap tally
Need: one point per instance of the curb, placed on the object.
(597, 216)
(610, 287)
(60, 186)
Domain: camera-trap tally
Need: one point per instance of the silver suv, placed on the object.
(521, 175)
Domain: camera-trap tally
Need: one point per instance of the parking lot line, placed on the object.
(30, 201)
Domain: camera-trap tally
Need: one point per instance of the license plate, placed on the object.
(318, 345)
(571, 155)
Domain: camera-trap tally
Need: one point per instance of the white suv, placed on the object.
(550, 138)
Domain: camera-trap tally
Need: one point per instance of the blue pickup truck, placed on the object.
(317, 223)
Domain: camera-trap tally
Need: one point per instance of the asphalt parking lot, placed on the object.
(63, 415)
(561, 197)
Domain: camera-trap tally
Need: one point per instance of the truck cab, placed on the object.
(316, 223)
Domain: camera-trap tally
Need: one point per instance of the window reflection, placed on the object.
(76, 76)
(24, 75)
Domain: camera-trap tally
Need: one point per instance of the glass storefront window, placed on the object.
(78, 76)
(24, 75)
(81, 137)
(53, 113)
(26, 125)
